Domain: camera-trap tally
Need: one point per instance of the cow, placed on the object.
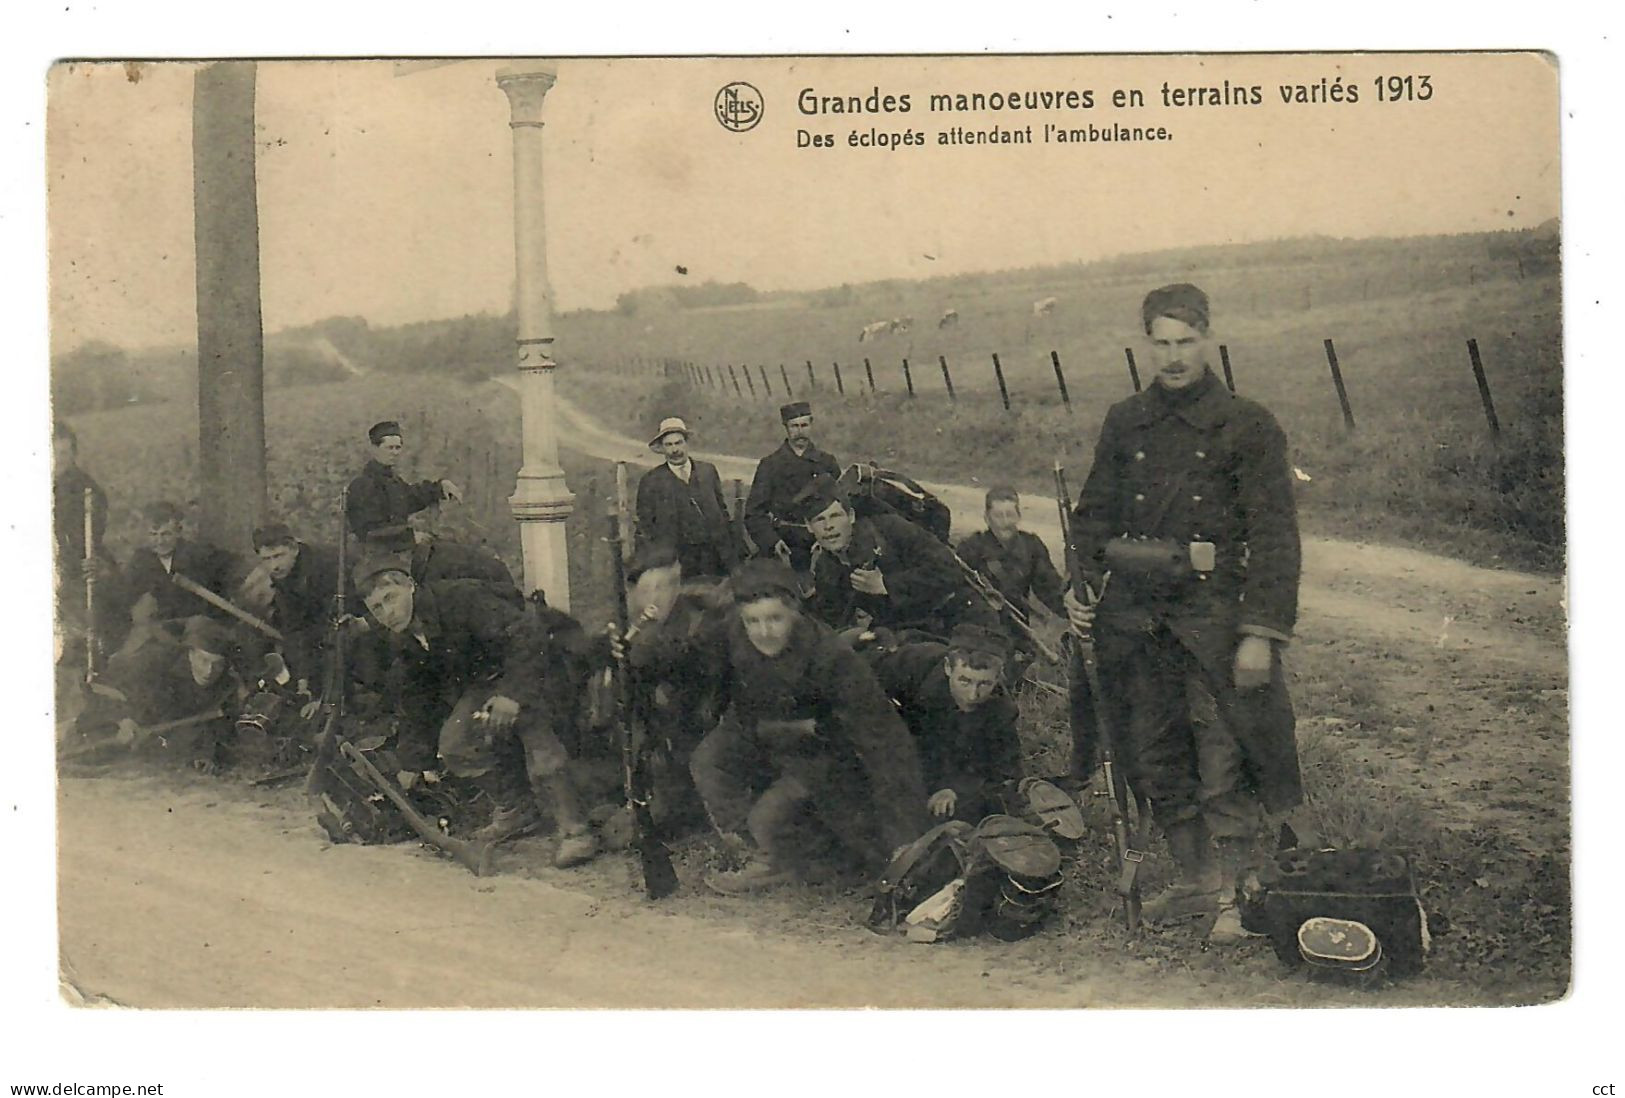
(950, 319)
(872, 332)
(1044, 307)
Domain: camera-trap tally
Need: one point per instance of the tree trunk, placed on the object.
(230, 341)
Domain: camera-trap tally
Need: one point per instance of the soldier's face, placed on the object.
(1179, 352)
(675, 447)
(163, 537)
(768, 623)
(391, 604)
(832, 527)
(799, 430)
(969, 686)
(278, 560)
(388, 451)
(1003, 516)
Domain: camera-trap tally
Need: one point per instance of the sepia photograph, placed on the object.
(1074, 531)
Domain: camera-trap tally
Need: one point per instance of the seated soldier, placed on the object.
(430, 559)
(808, 732)
(963, 720)
(879, 570)
(498, 688)
(688, 692)
(148, 582)
(304, 581)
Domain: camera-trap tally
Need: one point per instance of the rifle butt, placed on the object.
(472, 856)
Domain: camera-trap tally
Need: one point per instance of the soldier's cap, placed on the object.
(374, 568)
(794, 410)
(380, 431)
(815, 499)
(669, 425)
(765, 577)
(972, 638)
(1181, 301)
(397, 537)
(273, 533)
(653, 554)
(206, 635)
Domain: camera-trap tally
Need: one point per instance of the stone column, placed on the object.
(541, 501)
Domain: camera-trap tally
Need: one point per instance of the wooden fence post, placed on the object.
(1483, 387)
(744, 369)
(869, 372)
(767, 390)
(1060, 379)
(839, 388)
(1337, 380)
(947, 379)
(998, 372)
(908, 379)
(735, 379)
(812, 378)
(788, 392)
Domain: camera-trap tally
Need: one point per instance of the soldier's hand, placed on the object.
(942, 803)
(450, 491)
(501, 712)
(781, 550)
(1254, 657)
(308, 710)
(617, 643)
(1081, 618)
(92, 568)
(869, 581)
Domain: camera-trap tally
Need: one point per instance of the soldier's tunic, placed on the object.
(301, 609)
(466, 644)
(1198, 465)
(924, 588)
(967, 751)
(1020, 569)
(379, 499)
(438, 560)
(858, 764)
(215, 569)
(690, 516)
(770, 509)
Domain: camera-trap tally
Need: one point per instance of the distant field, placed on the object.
(1420, 468)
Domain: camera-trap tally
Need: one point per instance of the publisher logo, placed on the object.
(739, 106)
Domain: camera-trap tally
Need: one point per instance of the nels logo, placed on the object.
(738, 106)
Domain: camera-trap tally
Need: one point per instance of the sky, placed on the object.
(389, 194)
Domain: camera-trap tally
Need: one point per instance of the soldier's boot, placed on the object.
(577, 841)
(764, 871)
(1196, 890)
(515, 812)
(1236, 859)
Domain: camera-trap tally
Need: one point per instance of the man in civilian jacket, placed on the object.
(680, 503)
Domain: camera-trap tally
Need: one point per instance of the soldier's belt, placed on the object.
(1159, 558)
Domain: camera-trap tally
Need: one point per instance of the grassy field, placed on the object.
(1420, 469)
(1503, 898)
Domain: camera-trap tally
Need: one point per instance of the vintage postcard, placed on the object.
(775, 532)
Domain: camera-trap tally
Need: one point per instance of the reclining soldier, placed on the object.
(963, 720)
(499, 688)
(880, 570)
(808, 732)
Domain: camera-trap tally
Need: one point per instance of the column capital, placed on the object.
(526, 88)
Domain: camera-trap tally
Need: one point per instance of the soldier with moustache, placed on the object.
(772, 516)
(1189, 506)
(679, 503)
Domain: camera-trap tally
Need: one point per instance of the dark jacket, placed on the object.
(535, 655)
(817, 676)
(213, 568)
(688, 514)
(967, 752)
(1201, 465)
(437, 560)
(780, 477)
(379, 497)
(1020, 570)
(301, 608)
(924, 588)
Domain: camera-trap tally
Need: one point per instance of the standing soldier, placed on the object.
(771, 517)
(1189, 508)
(497, 689)
(680, 503)
(380, 502)
(77, 566)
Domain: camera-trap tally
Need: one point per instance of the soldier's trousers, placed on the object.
(1216, 770)
(470, 749)
(761, 785)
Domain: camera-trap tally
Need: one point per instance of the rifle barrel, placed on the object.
(223, 603)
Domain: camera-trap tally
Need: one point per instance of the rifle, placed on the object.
(334, 676)
(659, 877)
(92, 647)
(222, 603)
(1129, 858)
(997, 601)
(473, 856)
(143, 733)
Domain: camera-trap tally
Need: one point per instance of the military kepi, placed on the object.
(380, 431)
(814, 499)
(794, 410)
(1181, 301)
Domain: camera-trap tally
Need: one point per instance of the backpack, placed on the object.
(873, 490)
(1346, 914)
(1001, 876)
